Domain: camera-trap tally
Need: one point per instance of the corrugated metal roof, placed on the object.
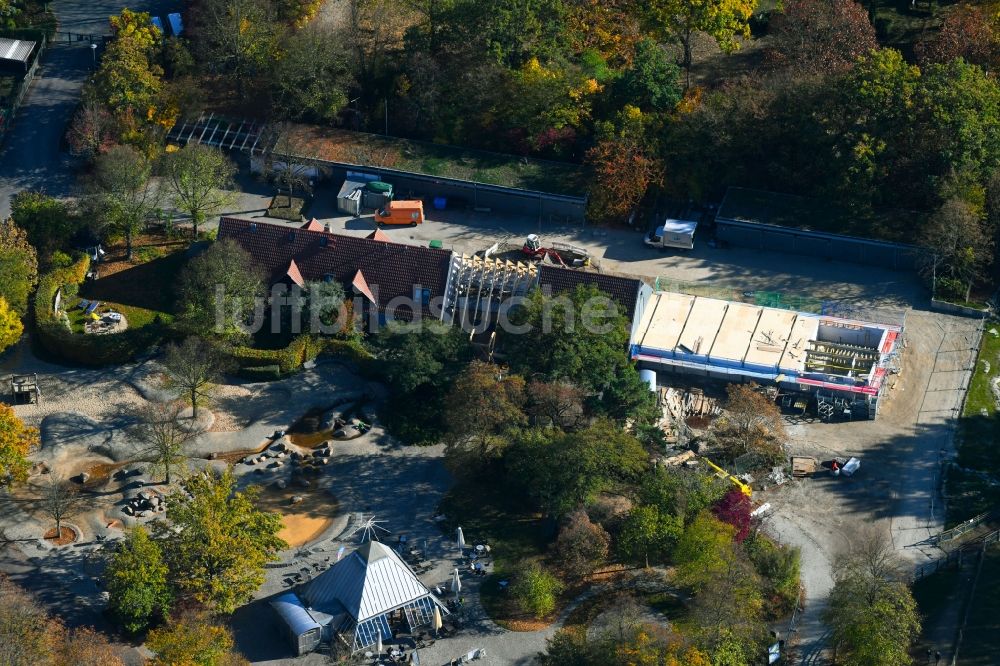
(15, 50)
(289, 607)
(370, 581)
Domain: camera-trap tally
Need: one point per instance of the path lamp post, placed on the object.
(93, 53)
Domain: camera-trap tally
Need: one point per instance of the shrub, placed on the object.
(734, 508)
(10, 326)
(301, 349)
(779, 566)
(147, 253)
(263, 373)
(535, 590)
(56, 337)
(60, 259)
(582, 544)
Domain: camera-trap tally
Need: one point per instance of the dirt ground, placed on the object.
(305, 521)
(898, 486)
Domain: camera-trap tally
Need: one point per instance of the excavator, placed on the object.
(560, 254)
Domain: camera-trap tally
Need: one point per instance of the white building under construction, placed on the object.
(844, 362)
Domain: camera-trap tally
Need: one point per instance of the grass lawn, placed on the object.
(980, 396)
(140, 291)
(490, 513)
(981, 644)
(970, 491)
(431, 159)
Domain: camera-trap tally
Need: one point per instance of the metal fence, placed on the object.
(261, 142)
(9, 110)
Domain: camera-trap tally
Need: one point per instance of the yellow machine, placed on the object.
(723, 474)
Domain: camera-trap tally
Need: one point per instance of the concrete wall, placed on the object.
(460, 193)
(952, 308)
(817, 244)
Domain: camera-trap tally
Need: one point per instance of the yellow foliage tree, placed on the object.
(16, 442)
(722, 20)
(10, 325)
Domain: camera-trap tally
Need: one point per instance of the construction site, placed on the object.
(838, 367)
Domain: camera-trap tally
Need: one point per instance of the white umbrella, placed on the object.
(378, 643)
(456, 583)
(436, 622)
(461, 538)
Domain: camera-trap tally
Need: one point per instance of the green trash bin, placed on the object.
(436, 245)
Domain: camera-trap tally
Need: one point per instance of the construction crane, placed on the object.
(723, 474)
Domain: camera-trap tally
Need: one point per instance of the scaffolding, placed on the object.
(481, 284)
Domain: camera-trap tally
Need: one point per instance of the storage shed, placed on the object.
(16, 53)
(349, 197)
(303, 632)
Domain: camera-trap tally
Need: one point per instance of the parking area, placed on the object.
(620, 250)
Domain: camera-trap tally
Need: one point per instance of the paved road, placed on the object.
(30, 157)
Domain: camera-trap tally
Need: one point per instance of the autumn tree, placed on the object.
(200, 179)
(193, 638)
(10, 326)
(129, 79)
(224, 280)
(136, 580)
(750, 424)
(872, 614)
(59, 499)
(734, 509)
(959, 247)
(582, 545)
(649, 534)
(624, 167)
(238, 37)
(92, 130)
(162, 436)
(969, 32)
(193, 368)
(16, 442)
(637, 643)
(727, 604)
(557, 403)
(84, 646)
(578, 337)
(123, 195)
(312, 76)
(18, 266)
(484, 403)
(217, 541)
(821, 37)
(26, 637)
(564, 471)
(725, 21)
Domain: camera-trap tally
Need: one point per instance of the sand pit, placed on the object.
(66, 536)
(305, 521)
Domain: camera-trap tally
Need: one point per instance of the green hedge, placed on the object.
(301, 349)
(265, 373)
(54, 335)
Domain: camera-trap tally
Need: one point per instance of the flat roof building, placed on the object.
(738, 342)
